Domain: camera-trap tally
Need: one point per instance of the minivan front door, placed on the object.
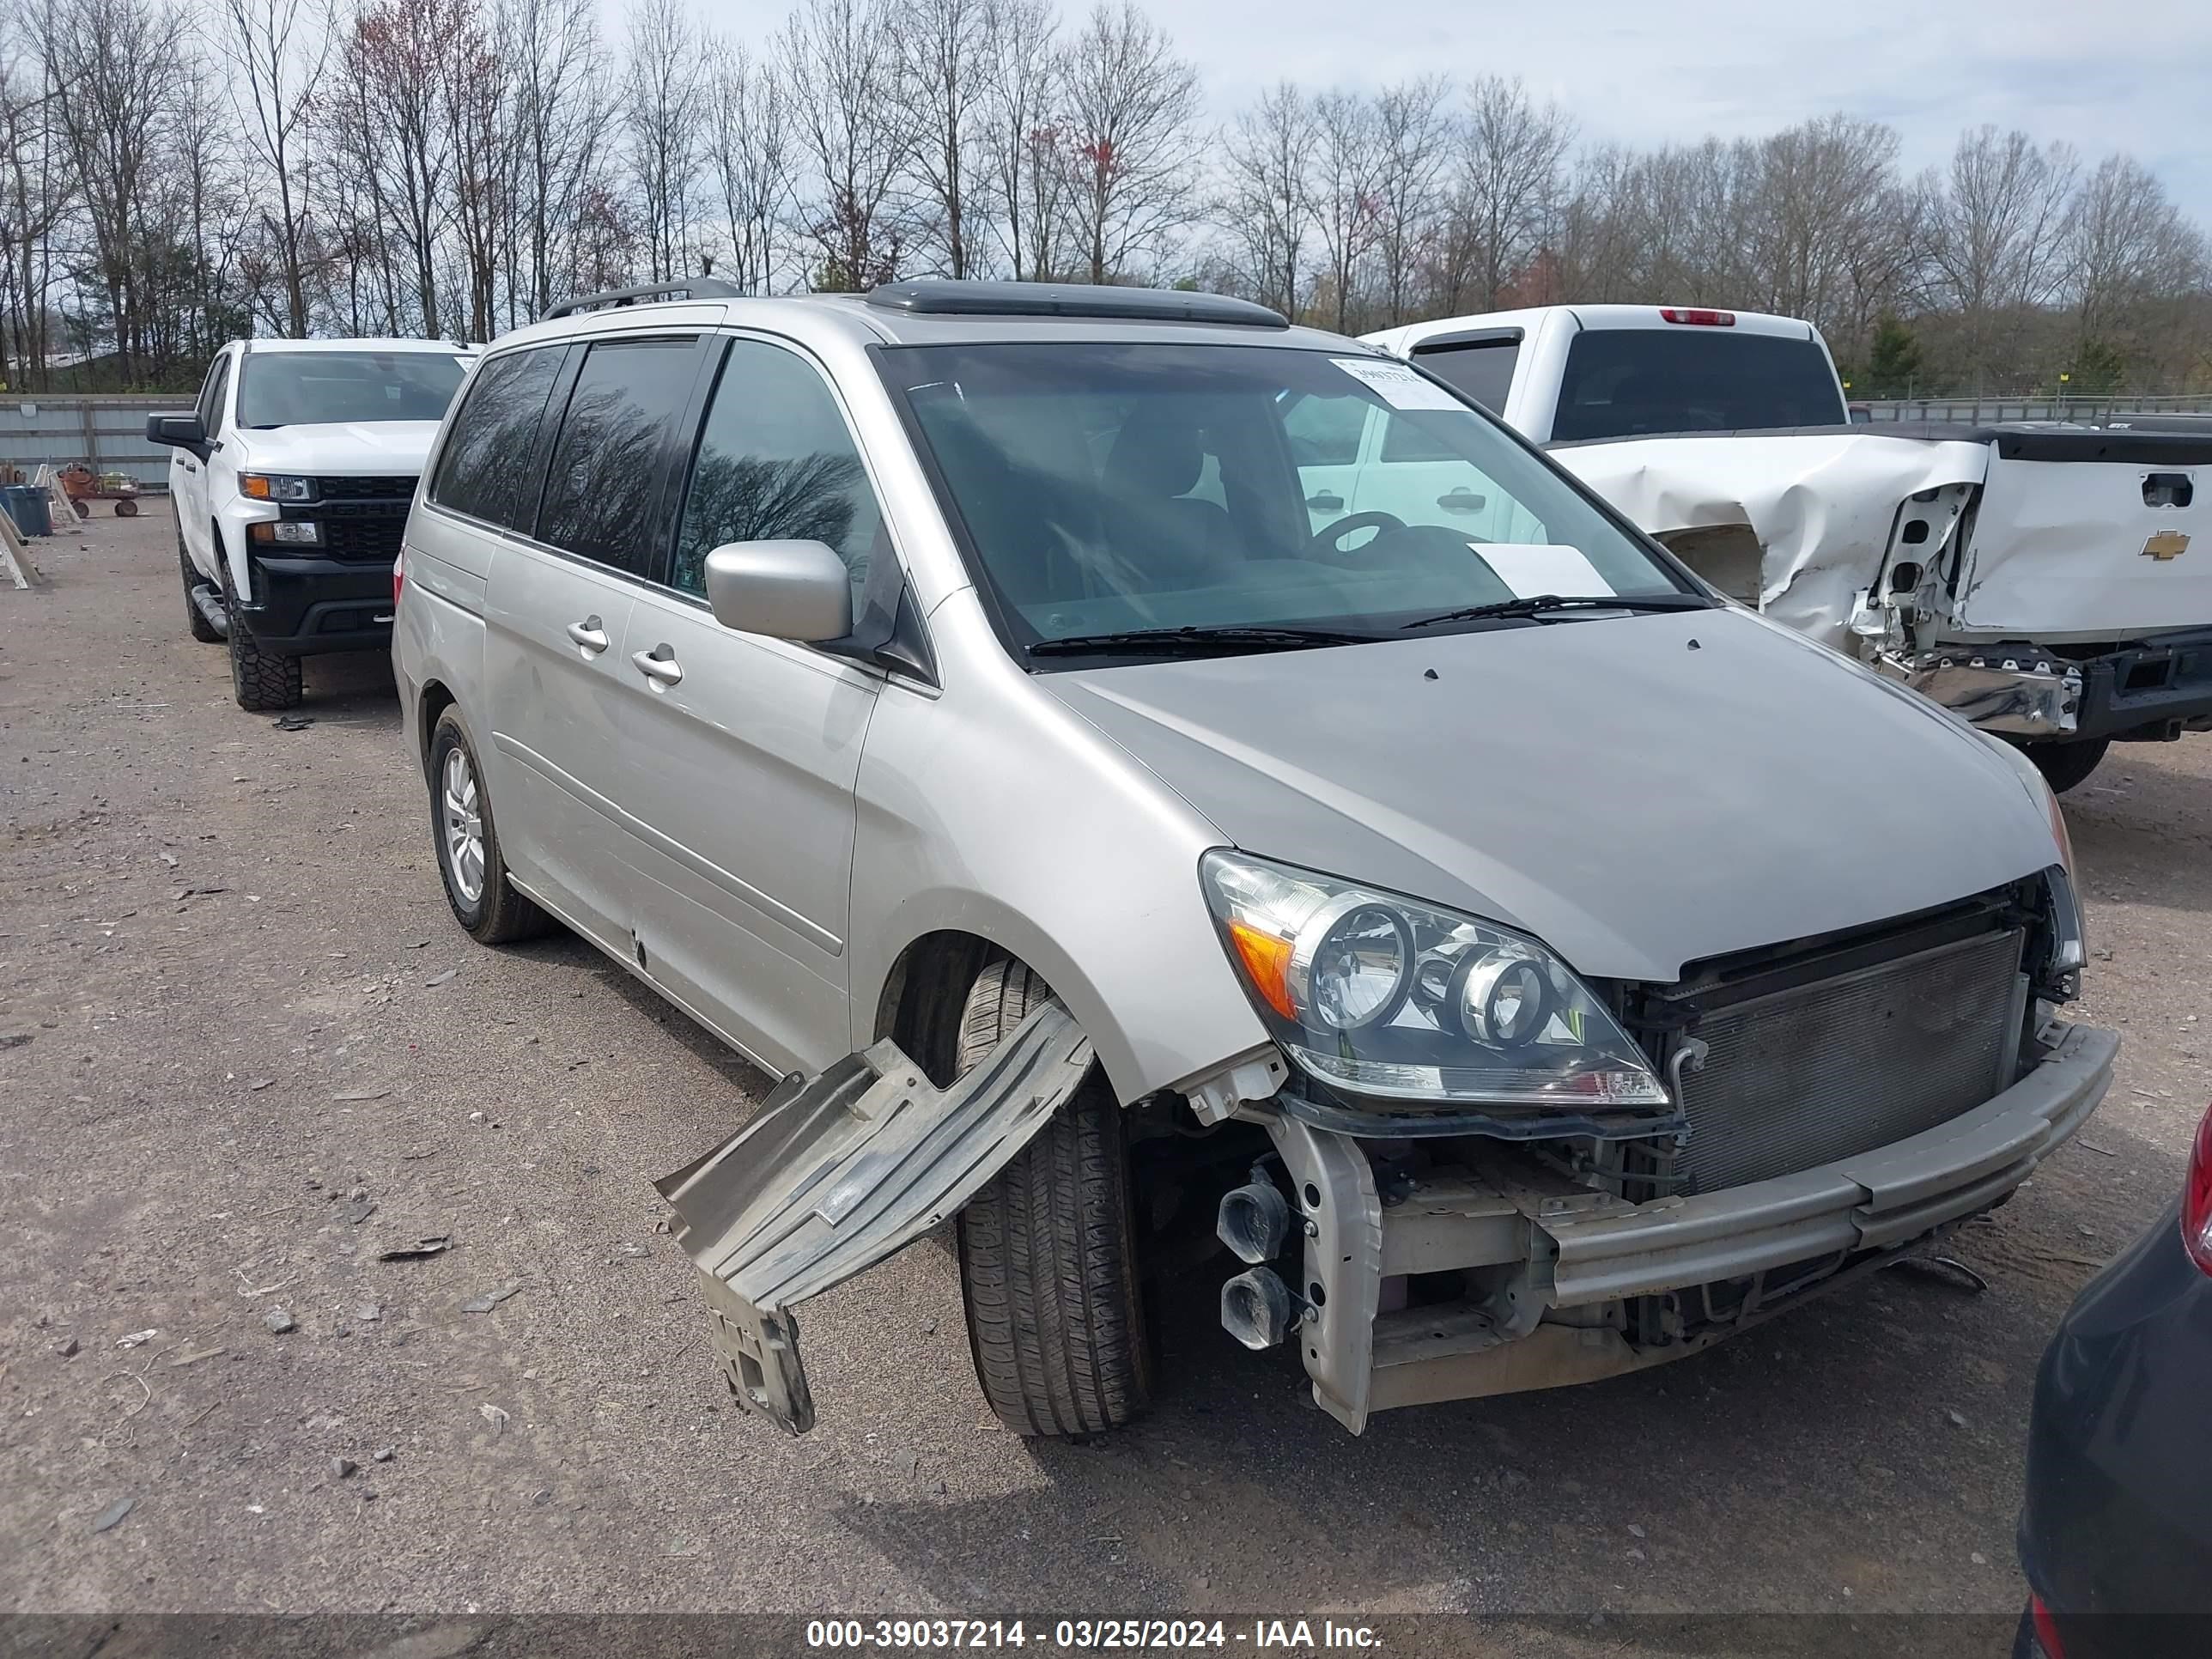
(743, 751)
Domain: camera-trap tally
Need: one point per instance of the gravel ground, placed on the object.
(243, 1048)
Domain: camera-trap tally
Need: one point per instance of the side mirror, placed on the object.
(178, 431)
(785, 590)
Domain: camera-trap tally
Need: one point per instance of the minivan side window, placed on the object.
(775, 463)
(603, 484)
(1482, 370)
(486, 469)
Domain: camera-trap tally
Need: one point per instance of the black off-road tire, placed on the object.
(501, 914)
(2063, 765)
(1048, 1252)
(202, 629)
(261, 680)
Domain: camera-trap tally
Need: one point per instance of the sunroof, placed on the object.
(1156, 305)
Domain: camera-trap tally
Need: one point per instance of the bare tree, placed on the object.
(1508, 188)
(1023, 149)
(1411, 137)
(1268, 200)
(1349, 162)
(2128, 246)
(750, 149)
(1994, 244)
(840, 61)
(111, 68)
(1132, 116)
(663, 101)
(560, 118)
(278, 55)
(945, 65)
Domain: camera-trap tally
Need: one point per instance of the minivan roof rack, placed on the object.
(693, 287)
(1157, 305)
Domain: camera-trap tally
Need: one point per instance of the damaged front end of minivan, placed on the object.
(1688, 1160)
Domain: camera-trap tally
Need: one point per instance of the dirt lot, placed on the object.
(243, 1048)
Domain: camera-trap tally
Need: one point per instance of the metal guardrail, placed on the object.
(1977, 411)
(107, 431)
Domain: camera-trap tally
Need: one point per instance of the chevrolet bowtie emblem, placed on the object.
(2166, 544)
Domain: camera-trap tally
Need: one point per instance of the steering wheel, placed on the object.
(1331, 537)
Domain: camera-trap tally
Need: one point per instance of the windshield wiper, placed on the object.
(1537, 603)
(1195, 642)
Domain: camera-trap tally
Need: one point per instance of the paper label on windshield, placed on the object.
(1397, 385)
(1531, 569)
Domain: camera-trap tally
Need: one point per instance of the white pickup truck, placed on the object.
(2038, 580)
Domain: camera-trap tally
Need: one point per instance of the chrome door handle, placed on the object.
(658, 664)
(591, 634)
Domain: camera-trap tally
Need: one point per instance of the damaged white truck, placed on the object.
(2037, 579)
(1491, 952)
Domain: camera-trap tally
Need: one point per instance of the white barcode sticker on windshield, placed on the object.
(1532, 568)
(1397, 385)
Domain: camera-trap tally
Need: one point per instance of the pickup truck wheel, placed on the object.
(1048, 1252)
(202, 629)
(260, 679)
(2065, 764)
(485, 902)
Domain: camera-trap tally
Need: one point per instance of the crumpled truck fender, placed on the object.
(1822, 506)
(838, 1171)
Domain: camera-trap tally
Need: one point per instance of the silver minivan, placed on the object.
(1510, 961)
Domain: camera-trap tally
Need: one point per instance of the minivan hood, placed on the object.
(341, 447)
(1639, 792)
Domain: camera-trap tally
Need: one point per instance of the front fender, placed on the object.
(993, 810)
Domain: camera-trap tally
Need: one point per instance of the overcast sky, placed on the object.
(2104, 75)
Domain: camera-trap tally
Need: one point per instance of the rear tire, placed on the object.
(2063, 765)
(485, 901)
(1048, 1251)
(202, 629)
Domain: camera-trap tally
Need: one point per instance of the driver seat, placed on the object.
(1175, 540)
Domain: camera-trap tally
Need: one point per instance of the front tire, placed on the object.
(485, 901)
(1048, 1251)
(261, 680)
(2063, 765)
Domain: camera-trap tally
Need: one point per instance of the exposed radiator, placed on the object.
(1819, 1072)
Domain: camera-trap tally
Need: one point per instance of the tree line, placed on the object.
(174, 177)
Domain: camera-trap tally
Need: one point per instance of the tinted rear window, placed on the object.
(322, 388)
(486, 467)
(603, 486)
(1483, 372)
(1624, 381)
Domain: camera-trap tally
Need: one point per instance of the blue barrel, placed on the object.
(27, 506)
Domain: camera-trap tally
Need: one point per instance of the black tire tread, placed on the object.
(504, 915)
(261, 680)
(1046, 1252)
(2065, 765)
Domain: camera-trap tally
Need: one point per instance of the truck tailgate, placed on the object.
(2090, 535)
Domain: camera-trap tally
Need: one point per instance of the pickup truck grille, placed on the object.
(1836, 1066)
(364, 530)
(394, 487)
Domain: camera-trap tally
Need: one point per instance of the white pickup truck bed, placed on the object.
(2038, 578)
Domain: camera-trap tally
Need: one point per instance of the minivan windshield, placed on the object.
(1693, 377)
(322, 388)
(1109, 489)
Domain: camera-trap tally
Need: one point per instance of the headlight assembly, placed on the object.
(1380, 995)
(275, 487)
